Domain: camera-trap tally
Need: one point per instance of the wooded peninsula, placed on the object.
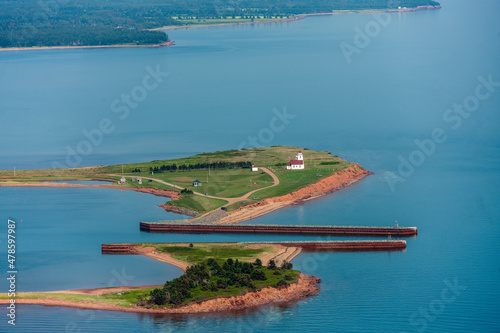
(32, 23)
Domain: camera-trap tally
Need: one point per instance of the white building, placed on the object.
(297, 163)
(254, 168)
(122, 181)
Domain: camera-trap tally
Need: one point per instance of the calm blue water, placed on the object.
(222, 87)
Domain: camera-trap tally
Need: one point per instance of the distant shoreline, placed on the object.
(175, 27)
(299, 17)
(169, 43)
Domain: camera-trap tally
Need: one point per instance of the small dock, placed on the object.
(179, 227)
(123, 248)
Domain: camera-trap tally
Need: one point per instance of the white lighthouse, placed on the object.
(300, 157)
(297, 163)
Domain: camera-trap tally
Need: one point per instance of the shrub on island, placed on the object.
(212, 278)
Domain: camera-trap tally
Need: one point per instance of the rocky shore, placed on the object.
(179, 210)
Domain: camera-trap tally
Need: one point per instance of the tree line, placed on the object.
(201, 166)
(79, 36)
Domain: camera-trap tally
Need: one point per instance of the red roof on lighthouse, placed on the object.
(296, 162)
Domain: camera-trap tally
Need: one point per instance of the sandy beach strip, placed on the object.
(101, 291)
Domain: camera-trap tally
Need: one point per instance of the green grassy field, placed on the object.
(125, 298)
(197, 203)
(267, 157)
(201, 251)
(229, 183)
(292, 180)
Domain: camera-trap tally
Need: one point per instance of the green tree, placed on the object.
(281, 283)
(286, 265)
(221, 284)
(258, 262)
(158, 296)
(258, 275)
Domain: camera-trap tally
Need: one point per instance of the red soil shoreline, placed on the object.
(307, 285)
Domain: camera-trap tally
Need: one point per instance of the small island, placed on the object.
(218, 277)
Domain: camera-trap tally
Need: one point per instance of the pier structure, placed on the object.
(183, 227)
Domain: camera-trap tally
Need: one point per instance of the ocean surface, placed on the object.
(390, 101)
